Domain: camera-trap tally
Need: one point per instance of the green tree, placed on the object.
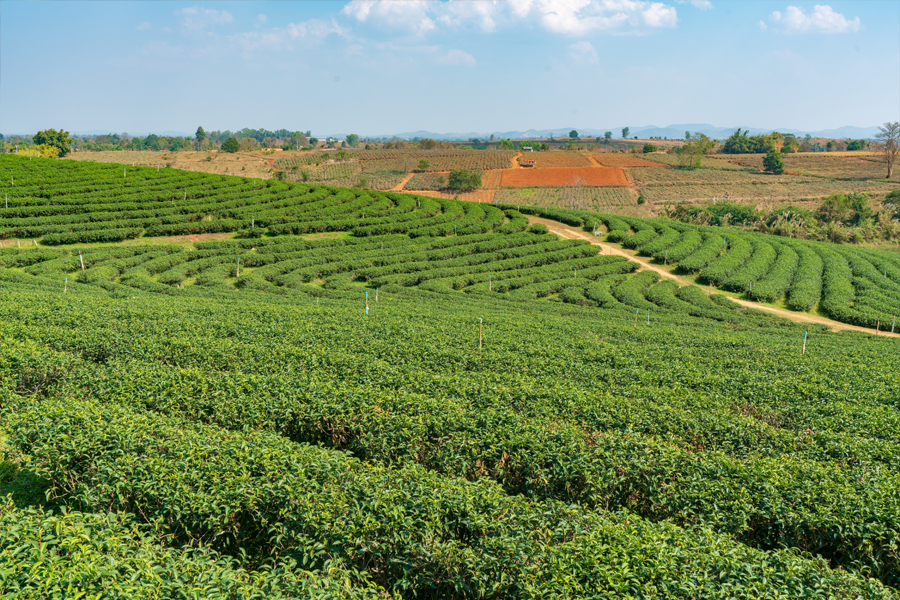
(352, 140)
(772, 162)
(648, 148)
(625, 132)
(423, 165)
(57, 139)
(607, 136)
(692, 151)
(231, 145)
(463, 181)
(200, 135)
(573, 134)
(506, 144)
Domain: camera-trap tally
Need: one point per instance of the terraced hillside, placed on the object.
(440, 404)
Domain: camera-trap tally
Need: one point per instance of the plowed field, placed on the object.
(563, 176)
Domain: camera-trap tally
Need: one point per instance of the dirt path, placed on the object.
(515, 161)
(569, 232)
(403, 183)
(593, 161)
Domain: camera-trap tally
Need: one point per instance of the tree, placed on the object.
(687, 135)
(231, 145)
(200, 135)
(573, 134)
(772, 162)
(506, 145)
(607, 136)
(648, 148)
(423, 165)
(57, 139)
(625, 132)
(889, 138)
(692, 151)
(463, 181)
(352, 140)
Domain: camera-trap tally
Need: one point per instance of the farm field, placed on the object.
(624, 161)
(555, 159)
(561, 176)
(601, 199)
(366, 394)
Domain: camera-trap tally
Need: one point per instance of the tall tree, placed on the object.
(625, 132)
(889, 138)
(772, 162)
(573, 134)
(352, 140)
(51, 137)
(692, 151)
(200, 135)
(607, 136)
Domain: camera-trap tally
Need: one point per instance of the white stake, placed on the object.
(239, 267)
(367, 304)
(81, 258)
(804, 342)
(636, 311)
(66, 285)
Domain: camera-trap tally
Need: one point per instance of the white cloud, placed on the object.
(143, 26)
(456, 58)
(196, 18)
(279, 38)
(580, 17)
(762, 25)
(262, 19)
(315, 28)
(583, 52)
(822, 19)
(701, 4)
(411, 15)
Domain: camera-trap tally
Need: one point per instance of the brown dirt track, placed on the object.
(562, 176)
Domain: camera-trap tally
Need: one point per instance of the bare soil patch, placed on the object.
(563, 176)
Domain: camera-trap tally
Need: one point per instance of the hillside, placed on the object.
(288, 390)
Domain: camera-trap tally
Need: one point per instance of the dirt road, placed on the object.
(570, 232)
(400, 185)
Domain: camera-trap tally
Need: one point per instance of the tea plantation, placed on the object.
(427, 401)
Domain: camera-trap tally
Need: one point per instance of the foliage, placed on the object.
(888, 137)
(573, 134)
(773, 163)
(230, 145)
(463, 181)
(693, 150)
(56, 139)
(740, 143)
(353, 140)
(539, 228)
(648, 148)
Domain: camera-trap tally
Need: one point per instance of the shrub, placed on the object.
(539, 228)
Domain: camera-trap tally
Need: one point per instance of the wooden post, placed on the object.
(81, 258)
(893, 323)
(490, 284)
(636, 311)
(576, 273)
(124, 173)
(648, 317)
(667, 257)
(479, 334)
(804, 342)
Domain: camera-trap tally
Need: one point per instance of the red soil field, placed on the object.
(562, 176)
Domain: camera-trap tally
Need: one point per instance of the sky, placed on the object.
(383, 67)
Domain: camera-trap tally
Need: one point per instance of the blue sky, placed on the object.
(384, 67)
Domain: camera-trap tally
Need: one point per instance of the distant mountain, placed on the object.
(644, 132)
